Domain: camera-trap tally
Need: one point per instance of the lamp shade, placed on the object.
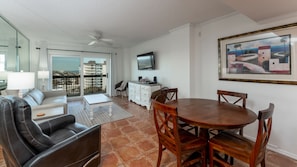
(20, 80)
(43, 74)
(3, 75)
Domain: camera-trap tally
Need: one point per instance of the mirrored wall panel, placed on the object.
(14, 51)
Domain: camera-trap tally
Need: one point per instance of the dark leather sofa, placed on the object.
(57, 142)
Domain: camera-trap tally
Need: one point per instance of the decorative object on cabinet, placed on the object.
(140, 93)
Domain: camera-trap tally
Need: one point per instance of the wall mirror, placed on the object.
(14, 51)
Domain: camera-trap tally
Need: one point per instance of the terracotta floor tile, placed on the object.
(150, 131)
(136, 136)
(133, 119)
(153, 156)
(146, 145)
(109, 160)
(140, 162)
(119, 142)
(106, 148)
(128, 153)
(122, 123)
(112, 133)
(128, 129)
(274, 159)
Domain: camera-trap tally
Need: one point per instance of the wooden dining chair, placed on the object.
(166, 95)
(171, 95)
(240, 147)
(224, 96)
(160, 95)
(177, 140)
(234, 98)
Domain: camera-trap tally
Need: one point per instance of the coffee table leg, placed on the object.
(91, 113)
(110, 110)
(85, 103)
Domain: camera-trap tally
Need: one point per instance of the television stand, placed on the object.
(140, 93)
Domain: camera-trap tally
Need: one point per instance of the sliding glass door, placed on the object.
(66, 74)
(80, 74)
(94, 75)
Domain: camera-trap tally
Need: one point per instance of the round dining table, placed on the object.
(210, 114)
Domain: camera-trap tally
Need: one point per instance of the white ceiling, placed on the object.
(127, 22)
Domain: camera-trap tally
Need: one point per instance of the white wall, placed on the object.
(192, 66)
(172, 60)
(259, 94)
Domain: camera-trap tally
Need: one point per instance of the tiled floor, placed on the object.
(133, 142)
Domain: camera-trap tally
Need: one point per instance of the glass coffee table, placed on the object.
(96, 100)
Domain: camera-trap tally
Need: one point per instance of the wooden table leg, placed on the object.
(203, 133)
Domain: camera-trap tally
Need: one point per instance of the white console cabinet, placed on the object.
(141, 93)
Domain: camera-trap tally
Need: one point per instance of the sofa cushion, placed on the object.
(30, 100)
(31, 132)
(37, 95)
(56, 99)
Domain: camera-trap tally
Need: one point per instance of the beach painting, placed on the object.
(270, 55)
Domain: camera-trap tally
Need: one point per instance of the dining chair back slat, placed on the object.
(171, 94)
(237, 97)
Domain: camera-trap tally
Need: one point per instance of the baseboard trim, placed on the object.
(276, 149)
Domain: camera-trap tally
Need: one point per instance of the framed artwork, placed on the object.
(267, 56)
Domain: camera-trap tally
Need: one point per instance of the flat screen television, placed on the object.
(146, 61)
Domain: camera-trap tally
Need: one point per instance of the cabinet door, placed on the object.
(145, 94)
(137, 94)
(131, 88)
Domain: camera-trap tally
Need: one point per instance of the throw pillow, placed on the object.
(30, 100)
(37, 95)
(28, 128)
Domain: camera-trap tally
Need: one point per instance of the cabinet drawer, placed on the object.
(146, 88)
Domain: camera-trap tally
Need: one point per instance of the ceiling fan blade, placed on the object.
(93, 36)
(92, 42)
(106, 40)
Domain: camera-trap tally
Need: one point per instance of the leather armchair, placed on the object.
(57, 142)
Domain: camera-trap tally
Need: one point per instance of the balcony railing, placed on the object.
(71, 83)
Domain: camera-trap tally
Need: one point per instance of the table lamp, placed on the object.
(3, 76)
(43, 75)
(20, 81)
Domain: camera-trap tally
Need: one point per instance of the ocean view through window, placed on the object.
(79, 76)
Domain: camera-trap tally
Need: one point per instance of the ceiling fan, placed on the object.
(98, 38)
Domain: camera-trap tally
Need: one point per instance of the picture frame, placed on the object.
(263, 56)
